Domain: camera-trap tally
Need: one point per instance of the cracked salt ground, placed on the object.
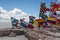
(21, 37)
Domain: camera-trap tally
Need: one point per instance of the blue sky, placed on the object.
(29, 6)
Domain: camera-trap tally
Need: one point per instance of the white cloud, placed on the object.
(2, 11)
(16, 13)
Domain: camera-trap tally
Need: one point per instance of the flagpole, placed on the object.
(11, 21)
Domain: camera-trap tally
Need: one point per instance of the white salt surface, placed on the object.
(9, 25)
(22, 37)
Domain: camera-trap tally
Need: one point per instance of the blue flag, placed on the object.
(31, 19)
(14, 21)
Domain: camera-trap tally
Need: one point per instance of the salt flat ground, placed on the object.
(8, 25)
(21, 37)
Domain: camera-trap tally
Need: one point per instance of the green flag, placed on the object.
(40, 15)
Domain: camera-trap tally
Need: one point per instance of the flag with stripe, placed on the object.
(14, 21)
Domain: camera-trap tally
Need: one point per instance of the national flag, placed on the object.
(14, 21)
(31, 19)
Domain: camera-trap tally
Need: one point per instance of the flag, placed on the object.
(24, 24)
(14, 21)
(40, 15)
(55, 7)
(31, 19)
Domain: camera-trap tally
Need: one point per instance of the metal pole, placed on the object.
(11, 21)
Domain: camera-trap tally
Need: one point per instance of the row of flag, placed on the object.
(15, 22)
(24, 24)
